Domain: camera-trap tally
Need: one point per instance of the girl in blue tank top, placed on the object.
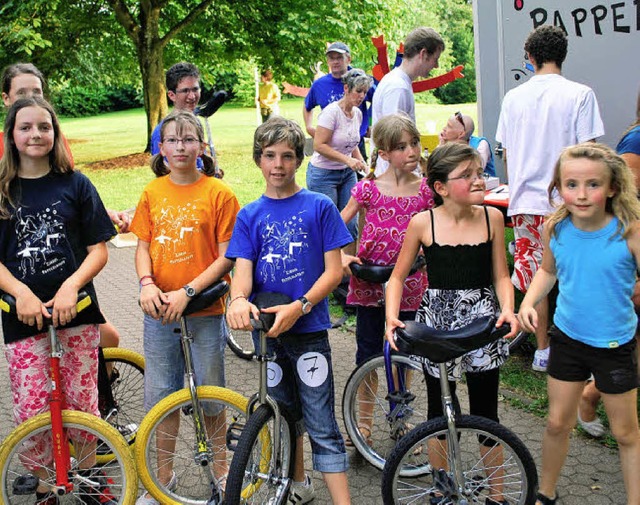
(592, 248)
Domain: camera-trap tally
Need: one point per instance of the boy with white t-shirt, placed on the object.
(538, 119)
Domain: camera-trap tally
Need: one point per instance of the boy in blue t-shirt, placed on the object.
(289, 241)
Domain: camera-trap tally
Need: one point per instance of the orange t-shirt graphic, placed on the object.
(184, 225)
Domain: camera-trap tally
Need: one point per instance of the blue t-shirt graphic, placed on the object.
(286, 240)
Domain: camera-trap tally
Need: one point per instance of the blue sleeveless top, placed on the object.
(596, 275)
(475, 142)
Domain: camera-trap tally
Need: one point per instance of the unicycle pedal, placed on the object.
(444, 483)
(25, 484)
(216, 496)
(233, 434)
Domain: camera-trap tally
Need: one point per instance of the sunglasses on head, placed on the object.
(458, 116)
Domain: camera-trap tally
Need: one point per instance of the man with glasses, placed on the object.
(422, 49)
(183, 89)
(460, 128)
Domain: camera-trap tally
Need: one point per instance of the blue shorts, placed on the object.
(165, 368)
(301, 379)
(370, 326)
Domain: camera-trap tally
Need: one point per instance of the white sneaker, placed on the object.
(147, 499)
(301, 492)
(594, 428)
(540, 360)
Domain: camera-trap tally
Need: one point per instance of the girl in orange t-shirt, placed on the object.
(183, 223)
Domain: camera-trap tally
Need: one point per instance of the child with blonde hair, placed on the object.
(592, 248)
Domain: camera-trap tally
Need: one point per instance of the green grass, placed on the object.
(117, 134)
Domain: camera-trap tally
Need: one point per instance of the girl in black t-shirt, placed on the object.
(53, 233)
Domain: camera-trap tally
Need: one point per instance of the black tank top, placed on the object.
(462, 266)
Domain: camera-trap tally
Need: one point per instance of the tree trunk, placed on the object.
(155, 102)
(150, 52)
(144, 30)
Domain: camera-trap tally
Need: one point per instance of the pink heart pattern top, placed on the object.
(386, 221)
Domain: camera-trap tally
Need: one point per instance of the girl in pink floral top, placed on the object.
(389, 202)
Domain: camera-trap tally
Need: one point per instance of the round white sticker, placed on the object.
(313, 369)
(274, 374)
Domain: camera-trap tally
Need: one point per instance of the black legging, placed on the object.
(483, 394)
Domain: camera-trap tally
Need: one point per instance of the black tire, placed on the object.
(241, 343)
(252, 461)
(423, 445)
(127, 388)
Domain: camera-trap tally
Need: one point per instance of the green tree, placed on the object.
(112, 42)
(456, 17)
(76, 38)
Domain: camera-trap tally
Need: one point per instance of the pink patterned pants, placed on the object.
(30, 385)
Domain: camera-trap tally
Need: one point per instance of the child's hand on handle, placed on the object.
(509, 318)
(176, 303)
(528, 318)
(64, 304)
(121, 220)
(153, 301)
(238, 313)
(286, 317)
(390, 332)
(30, 309)
(347, 259)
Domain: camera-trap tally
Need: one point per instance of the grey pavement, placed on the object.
(591, 475)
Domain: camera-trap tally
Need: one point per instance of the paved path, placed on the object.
(591, 475)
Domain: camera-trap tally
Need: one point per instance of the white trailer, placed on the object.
(604, 54)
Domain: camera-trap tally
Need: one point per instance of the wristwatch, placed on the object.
(306, 305)
(190, 291)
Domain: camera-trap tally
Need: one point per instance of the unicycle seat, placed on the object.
(206, 297)
(379, 274)
(265, 300)
(441, 346)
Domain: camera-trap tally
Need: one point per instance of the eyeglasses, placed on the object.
(185, 91)
(187, 141)
(469, 176)
(458, 116)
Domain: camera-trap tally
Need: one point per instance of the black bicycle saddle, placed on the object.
(265, 300)
(440, 346)
(206, 297)
(380, 274)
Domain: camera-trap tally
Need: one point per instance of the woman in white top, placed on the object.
(336, 158)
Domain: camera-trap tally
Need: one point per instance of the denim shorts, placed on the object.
(370, 326)
(337, 185)
(301, 379)
(165, 368)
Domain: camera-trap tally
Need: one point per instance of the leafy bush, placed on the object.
(125, 97)
(79, 101)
